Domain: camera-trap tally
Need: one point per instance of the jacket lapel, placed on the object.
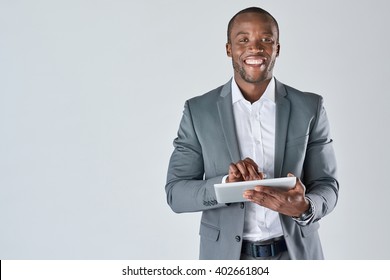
(226, 117)
(282, 119)
(225, 111)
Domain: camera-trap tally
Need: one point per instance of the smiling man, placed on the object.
(251, 128)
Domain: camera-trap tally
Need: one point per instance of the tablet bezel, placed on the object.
(232, 192)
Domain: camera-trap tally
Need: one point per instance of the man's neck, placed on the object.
(252, 91)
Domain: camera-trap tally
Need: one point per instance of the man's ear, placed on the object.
(229, 49)
(278, 50)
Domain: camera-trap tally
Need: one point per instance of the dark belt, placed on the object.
(264, 248)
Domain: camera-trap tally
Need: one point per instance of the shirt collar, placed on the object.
(269, 93)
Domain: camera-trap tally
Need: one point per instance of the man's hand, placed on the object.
(291, 203)
(244, 170)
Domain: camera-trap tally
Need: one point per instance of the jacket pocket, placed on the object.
(308, 230)
(209, 231)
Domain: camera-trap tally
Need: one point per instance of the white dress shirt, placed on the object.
(255, 128)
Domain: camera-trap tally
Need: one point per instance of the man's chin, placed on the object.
(254, 80)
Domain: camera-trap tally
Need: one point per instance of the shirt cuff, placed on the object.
(224, 179)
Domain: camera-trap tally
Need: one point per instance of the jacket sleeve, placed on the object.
(319, 170)
(186, 188)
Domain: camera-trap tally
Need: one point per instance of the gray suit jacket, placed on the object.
(207, 143)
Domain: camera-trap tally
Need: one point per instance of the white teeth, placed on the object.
(254, 61)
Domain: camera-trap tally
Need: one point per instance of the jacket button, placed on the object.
(242, 205)
(238, 238)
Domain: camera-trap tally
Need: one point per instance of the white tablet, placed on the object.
(232, 192)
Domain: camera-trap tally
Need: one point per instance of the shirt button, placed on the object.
(242, 205)
(238, 238)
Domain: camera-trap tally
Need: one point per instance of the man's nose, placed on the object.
(256, 46)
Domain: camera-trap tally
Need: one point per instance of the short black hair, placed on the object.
(251, 10)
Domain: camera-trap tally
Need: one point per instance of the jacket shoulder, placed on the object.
(204, 108)
(206, 98)
(296, 95)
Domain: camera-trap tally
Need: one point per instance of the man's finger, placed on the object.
(252, 162)
(253, 173)
(298, 185)
(243, 169)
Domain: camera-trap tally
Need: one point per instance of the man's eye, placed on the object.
(267, 40)
(243, 40)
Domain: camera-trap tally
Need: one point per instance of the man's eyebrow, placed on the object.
(247, 33)
(268, 34)
(241, 33)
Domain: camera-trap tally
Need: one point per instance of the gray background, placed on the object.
(91, 95)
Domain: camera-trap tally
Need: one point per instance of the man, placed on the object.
(255, 127)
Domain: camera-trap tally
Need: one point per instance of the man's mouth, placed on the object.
(254, 61)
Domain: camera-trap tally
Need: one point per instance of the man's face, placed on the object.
(253, 47)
